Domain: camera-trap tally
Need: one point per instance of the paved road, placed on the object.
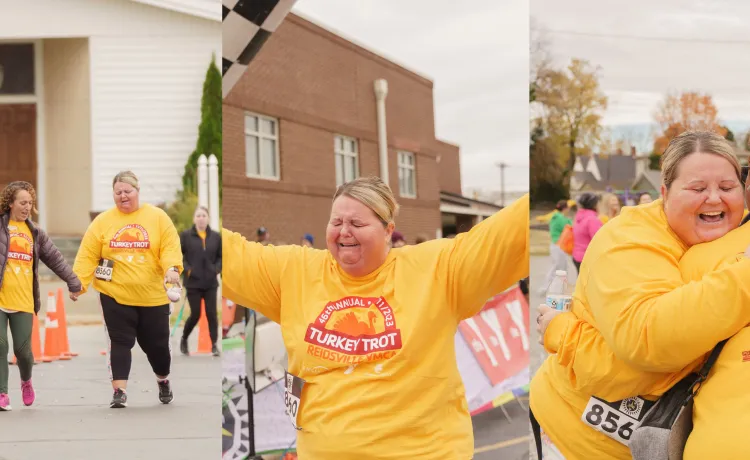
(496, 438)
(71, 417)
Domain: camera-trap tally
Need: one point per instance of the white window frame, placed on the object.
(261, 136)
(337, 152)
(403, 165)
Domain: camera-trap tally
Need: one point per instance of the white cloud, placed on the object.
(637, 73)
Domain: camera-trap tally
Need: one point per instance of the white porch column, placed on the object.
(213, 192)
(202, 181)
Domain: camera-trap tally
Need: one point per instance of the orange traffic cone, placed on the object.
(52, 338)
(36, 341)
(227, 312)
(204, 339)
(227, 315)
(66, 353)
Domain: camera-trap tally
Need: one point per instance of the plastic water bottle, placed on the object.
(559, 295)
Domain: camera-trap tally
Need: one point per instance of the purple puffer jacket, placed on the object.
(44, 250)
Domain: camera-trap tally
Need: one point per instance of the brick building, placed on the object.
(304, 118)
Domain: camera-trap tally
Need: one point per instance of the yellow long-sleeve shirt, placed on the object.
(627, 333)
(377, 352)
(721, 411)
(143, 245)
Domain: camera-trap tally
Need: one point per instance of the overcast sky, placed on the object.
(709, 50)
(478, 59)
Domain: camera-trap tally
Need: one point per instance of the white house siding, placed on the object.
(148, 65)
(146, 94)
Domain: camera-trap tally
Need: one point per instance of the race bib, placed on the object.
(104, 270)
(292, 397)
(616, 419)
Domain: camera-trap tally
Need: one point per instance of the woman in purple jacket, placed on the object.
(586, 224)
(22, 246)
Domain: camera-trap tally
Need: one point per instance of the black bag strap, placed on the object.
(712, 359)
(537, 430)
(703, 373)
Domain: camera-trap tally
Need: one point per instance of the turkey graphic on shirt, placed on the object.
(20, 248)
(354, 329)
(130, 237)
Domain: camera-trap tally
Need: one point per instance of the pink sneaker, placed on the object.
(27, 391)
(4, 402)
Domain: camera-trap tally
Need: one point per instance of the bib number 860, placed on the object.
(609, 423)
(292, 405)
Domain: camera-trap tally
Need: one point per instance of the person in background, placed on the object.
(370, 330)
(610, 207)
(397, 240)
(22, 246)
(262, 236)
(421, 238)
(201, 259)
(307, 240)
(558, 257)
(645, 198)
(131, 252)
(587, 223)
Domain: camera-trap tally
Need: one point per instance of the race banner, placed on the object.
(498, 336)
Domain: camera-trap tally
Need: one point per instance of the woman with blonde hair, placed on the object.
(609, 207)
(638, 322)
(131, 252)
(369, 329)
(201, 258)
(22, 246)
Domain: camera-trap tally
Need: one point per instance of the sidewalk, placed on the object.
(71, 417)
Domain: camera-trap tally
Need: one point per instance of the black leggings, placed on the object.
(195, 296)
(125, 324)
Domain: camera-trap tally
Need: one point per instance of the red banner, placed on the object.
(499, 335)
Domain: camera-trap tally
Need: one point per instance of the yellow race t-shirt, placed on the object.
(17, 290)
(142, 245)
(627, 333)
(377, 353)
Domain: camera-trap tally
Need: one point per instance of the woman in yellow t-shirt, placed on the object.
(22, 246)
(636, 326)
(131, 252)
(369, 329)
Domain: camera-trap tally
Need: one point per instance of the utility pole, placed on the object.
(502, 167)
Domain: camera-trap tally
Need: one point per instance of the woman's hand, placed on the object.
(545, 315)
(172, 277)
(74, 295)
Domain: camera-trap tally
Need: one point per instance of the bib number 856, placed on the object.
(595, 417)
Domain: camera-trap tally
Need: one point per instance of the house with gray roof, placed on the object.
(602, 173)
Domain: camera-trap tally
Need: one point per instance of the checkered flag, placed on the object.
(246, 25)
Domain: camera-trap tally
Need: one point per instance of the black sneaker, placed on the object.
(215, 350)
(119, 399)
(165, 391)
(184, 347)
